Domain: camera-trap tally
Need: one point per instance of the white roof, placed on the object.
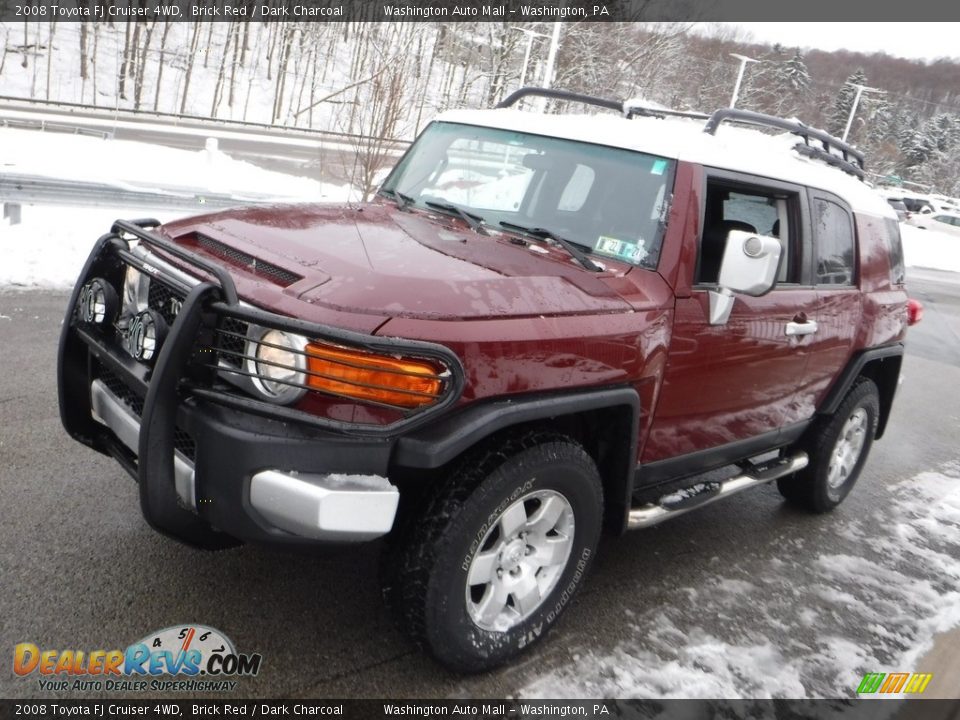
(732, 148)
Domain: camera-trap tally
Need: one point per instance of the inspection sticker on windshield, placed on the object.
(620, 248)
(658, 167)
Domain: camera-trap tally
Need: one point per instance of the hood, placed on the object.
(378, 260)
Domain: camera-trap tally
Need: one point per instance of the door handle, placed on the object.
(801, 328)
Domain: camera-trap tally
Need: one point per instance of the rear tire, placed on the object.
(489, 565)
(838, 448)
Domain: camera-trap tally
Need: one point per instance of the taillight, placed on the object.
(400, 382)
(914, 311)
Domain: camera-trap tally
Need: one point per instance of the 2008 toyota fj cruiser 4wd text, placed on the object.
(545, 324)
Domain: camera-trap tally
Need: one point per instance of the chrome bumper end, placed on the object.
(335, 507)
(111, 411)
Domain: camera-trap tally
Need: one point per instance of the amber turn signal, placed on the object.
(377, 378)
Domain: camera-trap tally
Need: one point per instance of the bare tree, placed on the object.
(190, 62)
(162, 63)
(83, 46)
(124, 65)
(142, 64)
(52, 29)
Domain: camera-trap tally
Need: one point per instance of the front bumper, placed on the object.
(212, 470)
(307, 506)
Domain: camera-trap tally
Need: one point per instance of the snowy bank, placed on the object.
(48, 247)
(930, 248)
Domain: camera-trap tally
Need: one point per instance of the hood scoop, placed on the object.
(253, 265)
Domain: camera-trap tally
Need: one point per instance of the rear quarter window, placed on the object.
(833, 233)
(891, 234)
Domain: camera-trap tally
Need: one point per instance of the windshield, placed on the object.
(609, 201)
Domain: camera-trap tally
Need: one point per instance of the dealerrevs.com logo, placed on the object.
(185, 658)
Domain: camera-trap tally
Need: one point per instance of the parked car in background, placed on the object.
(902, 213)
(945, 222)
(917, 204)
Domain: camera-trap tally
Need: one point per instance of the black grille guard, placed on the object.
(219, 295)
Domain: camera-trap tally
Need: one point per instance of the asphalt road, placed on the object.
(79, 568)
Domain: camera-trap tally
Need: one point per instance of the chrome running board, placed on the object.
(674, 504)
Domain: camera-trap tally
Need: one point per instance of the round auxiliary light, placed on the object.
(145, 335)
(98, 302)
(280, 361)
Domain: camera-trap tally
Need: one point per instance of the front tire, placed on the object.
(838, 450)
(493, 561)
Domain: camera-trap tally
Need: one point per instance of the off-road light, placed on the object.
(279, 365)
(145, 335)
(98, 302)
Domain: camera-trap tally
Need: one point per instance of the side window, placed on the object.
(755, 210)
(895, 247)
(835, 245)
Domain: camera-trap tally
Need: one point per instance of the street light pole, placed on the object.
(743, 65)
(531, 34)
(552, 55)
(856, 101)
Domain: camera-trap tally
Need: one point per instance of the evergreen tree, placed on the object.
(794, 75)
(840, 112)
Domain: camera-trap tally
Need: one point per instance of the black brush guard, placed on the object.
(170, 401)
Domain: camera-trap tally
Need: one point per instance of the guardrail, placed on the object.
(56, 127)
(16, 188)
(129, 114)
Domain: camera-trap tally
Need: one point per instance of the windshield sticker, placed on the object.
(658, 167)
(608, 245)
(631, 252)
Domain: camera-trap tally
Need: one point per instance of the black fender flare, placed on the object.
(886, 362)
(448, 437)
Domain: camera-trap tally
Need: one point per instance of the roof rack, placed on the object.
(518, 95)
(624, 108)
(631, 111)
(849, 160)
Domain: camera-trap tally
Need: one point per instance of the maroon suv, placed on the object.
(543, 325)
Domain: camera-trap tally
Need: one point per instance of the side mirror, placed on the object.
(750, 265)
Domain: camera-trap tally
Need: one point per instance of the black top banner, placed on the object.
(860, 13)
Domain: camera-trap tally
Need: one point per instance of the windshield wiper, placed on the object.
(472, 219)
(402, 199)
(571, 247)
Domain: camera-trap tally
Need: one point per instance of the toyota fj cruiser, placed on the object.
(545, 324)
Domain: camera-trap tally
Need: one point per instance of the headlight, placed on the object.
(278, 366)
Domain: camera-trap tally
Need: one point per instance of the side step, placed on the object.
(683, 501)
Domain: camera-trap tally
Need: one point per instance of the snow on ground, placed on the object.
(869, 598)
(144, 166)
(930, 248)
(48, 247)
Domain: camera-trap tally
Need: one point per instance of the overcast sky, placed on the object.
(927, 41)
